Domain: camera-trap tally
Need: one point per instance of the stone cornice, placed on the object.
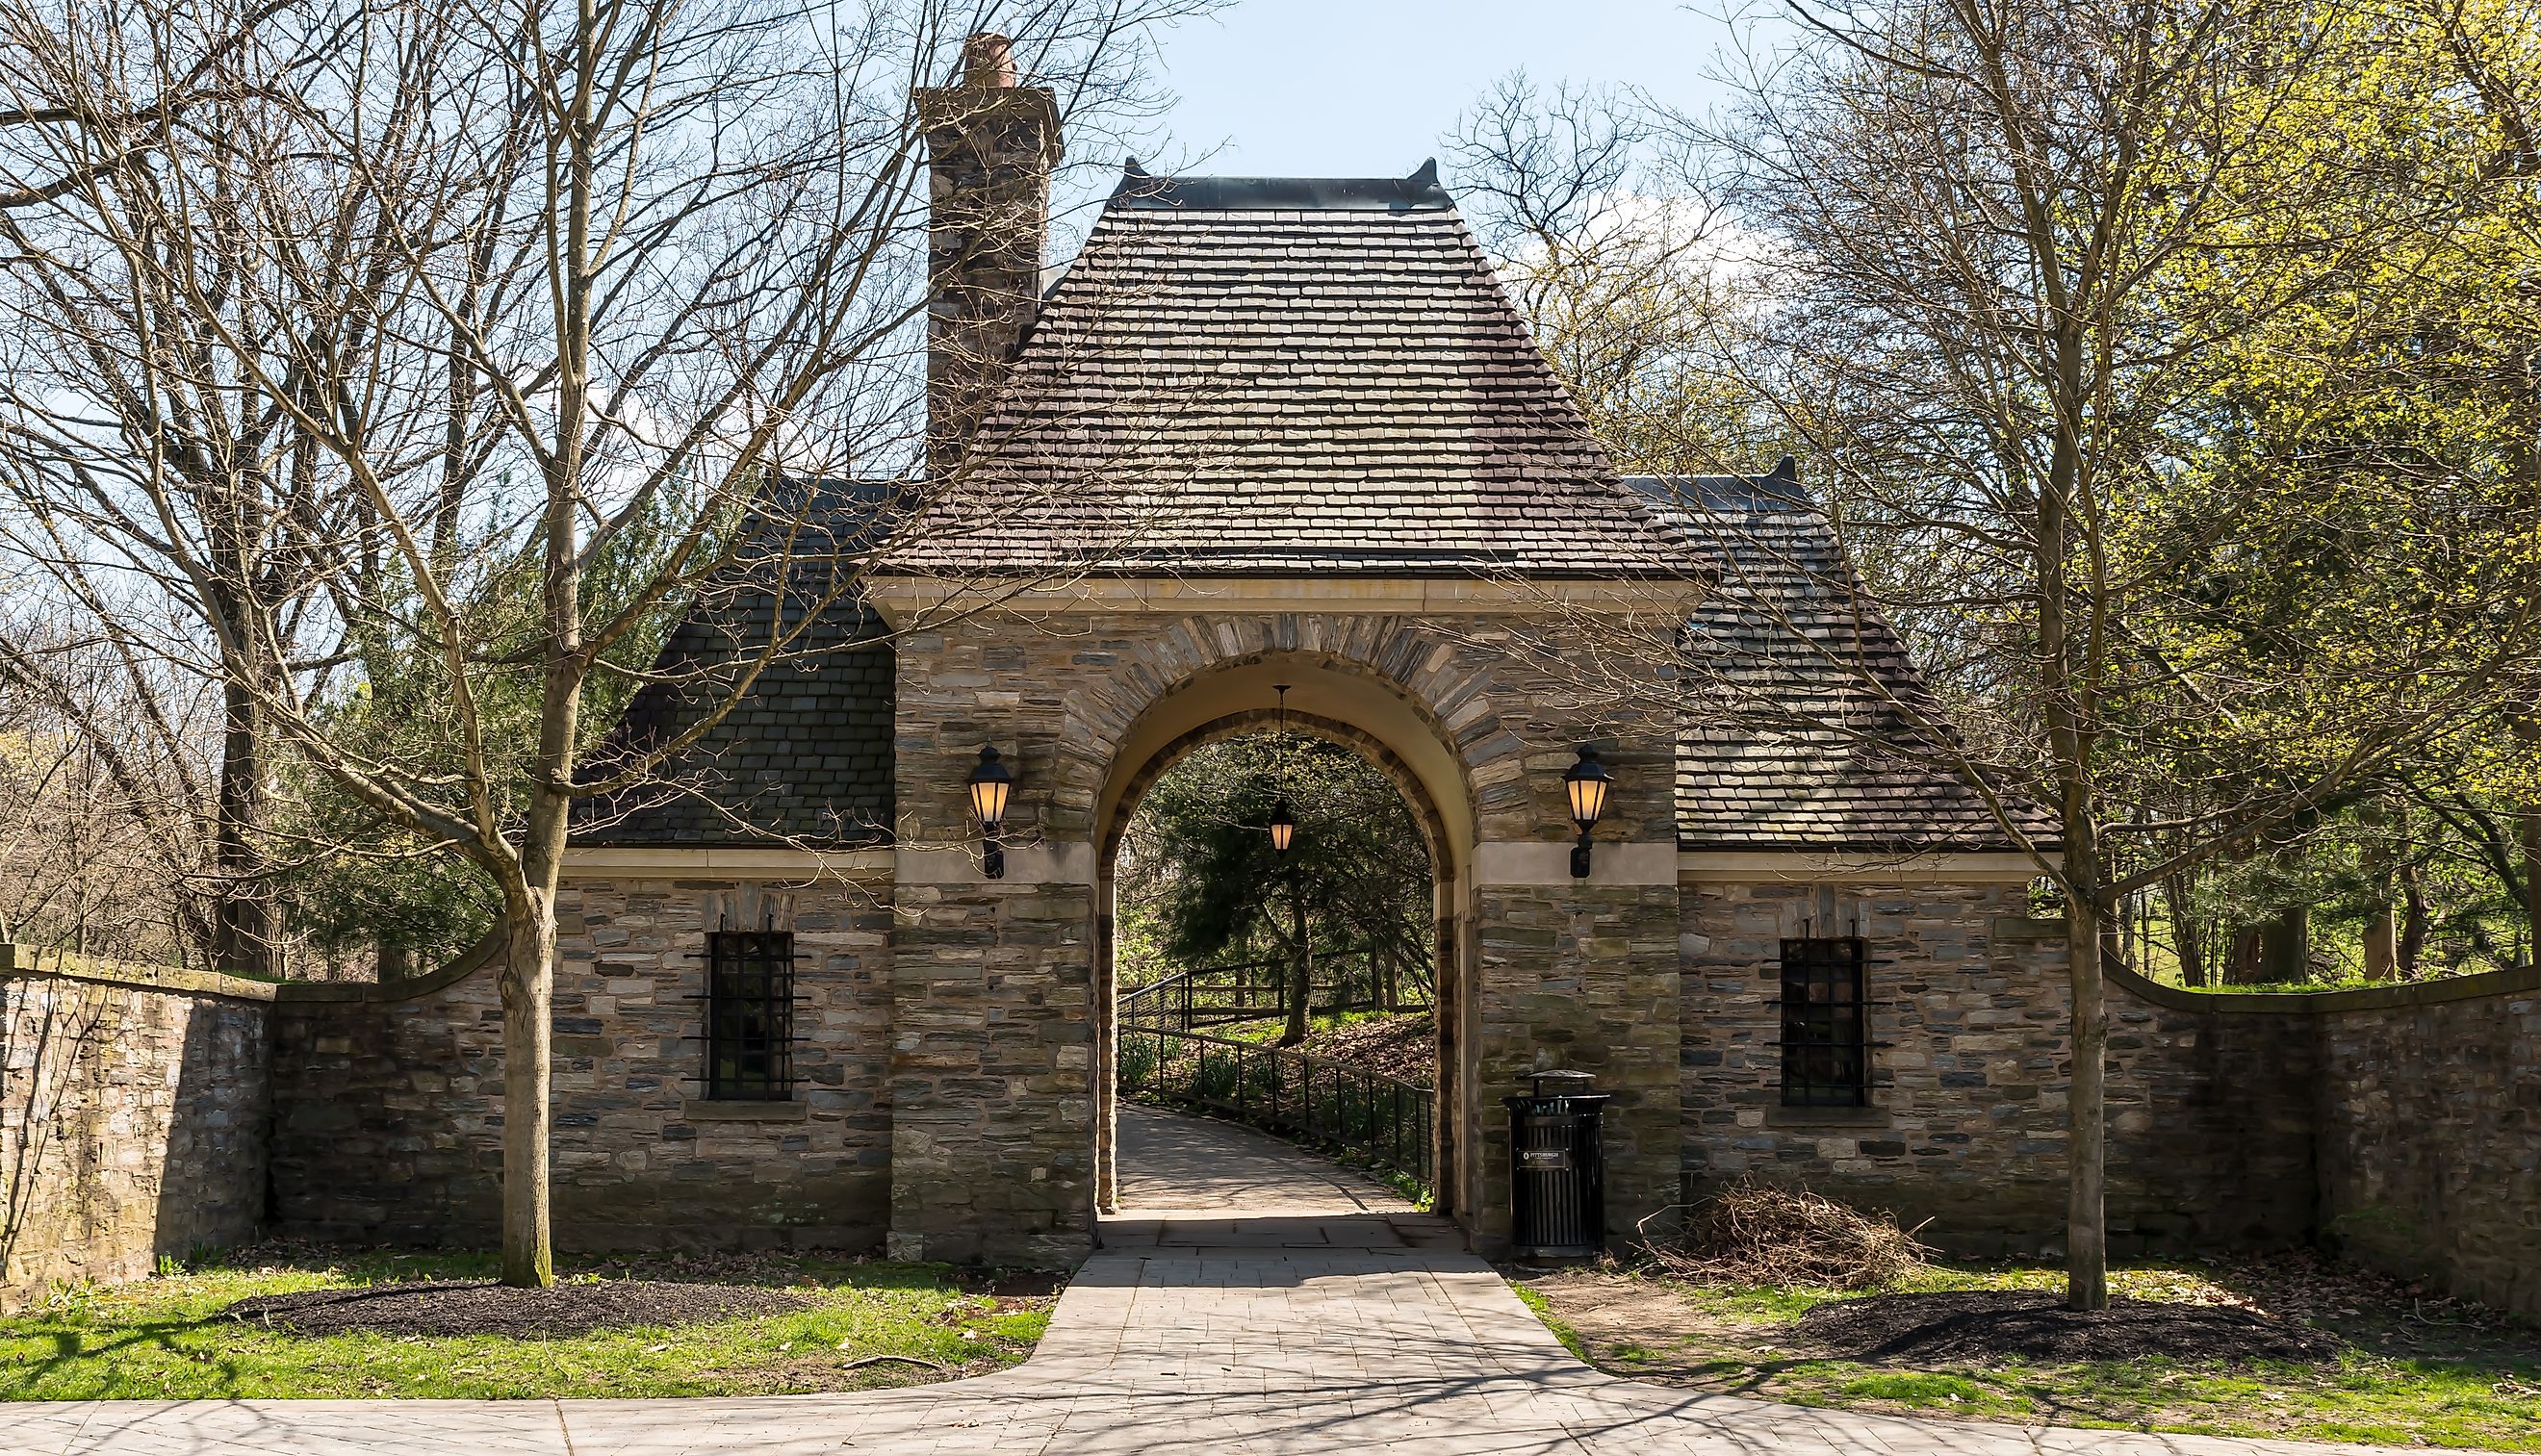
(709, 862)
(1812, 866)
(1547, 862)
(903, 599)
(39, 962)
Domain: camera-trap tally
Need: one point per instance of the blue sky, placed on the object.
(1364, 88)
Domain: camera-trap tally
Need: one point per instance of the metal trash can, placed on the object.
(1558, 1167)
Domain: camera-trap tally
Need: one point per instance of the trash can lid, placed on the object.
(1561, 1083)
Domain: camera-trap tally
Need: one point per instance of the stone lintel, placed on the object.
(908, 601)
(707, 862)
(1548, 862)
(1937, 866)
(1057, 862)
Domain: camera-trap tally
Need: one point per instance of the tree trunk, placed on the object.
(2412, 942)
(2532, 880)
(2245, 966)
(244, 933)
(528, 989)
(2381, 945)
(1301, 968)
(2284, 946)
(2086, 1233)
(2187, 936)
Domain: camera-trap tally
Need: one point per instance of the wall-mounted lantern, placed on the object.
(992, 783)
(1587, 784)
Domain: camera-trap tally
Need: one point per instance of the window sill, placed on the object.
(736, 1110)
(1778, 1115)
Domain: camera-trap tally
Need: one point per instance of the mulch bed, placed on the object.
(1991, 1326)
(1404, 1046)
(449, 1308)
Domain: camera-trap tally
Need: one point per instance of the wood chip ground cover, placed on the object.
(454, 1308)
(368, 1323)
(2284, 1347)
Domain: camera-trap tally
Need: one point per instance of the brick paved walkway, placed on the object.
(1335, 1323)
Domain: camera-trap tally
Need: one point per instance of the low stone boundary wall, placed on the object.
(134, 1112)
(2399, 1125)
(389, 1099)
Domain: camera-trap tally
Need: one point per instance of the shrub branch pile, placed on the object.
(1756, 1233)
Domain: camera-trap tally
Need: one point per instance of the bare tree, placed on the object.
(102, 799)
(483, 295)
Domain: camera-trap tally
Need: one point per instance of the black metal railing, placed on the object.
(1295, 1094)
(1250, 990)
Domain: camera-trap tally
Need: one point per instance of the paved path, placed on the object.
(1334, 1324)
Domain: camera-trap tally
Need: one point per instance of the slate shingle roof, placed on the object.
(1766, 770)
(805, 757)
(1262, 376)
(1334, 383)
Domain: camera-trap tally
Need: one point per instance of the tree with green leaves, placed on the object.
(1198, 860)
(2120, 338)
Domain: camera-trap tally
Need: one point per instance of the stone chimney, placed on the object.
(991, 145)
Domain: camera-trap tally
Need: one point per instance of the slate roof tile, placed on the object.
(1250, 391)
(1795, 756)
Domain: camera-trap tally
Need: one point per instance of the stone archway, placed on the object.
(1227, 703)
(999, 987)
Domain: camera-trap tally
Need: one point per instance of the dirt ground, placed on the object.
(2291, 1346)
(1404, 1046)
(447, 1309)
(1995, 1326)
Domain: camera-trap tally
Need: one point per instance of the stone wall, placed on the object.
(1966, 1126)
(133, 1117)
(996, 1044)
(2398, 1126)
(390, 1099)
(1583, 978)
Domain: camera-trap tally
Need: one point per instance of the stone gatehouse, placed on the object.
(1261, 431)
(1280, 431)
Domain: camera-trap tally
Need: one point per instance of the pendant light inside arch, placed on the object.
(1283, 819)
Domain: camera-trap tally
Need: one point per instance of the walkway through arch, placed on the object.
(1341, 702)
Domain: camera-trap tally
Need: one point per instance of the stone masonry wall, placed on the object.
(1966, 1126)
(1584, 978)
(2416, 1110)
(389, 1124)
(132, 1119)
(992, 1064)
(2400, 1125)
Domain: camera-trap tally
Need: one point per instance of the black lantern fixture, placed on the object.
(1283, 826)
(1587, 784)
(1283, 819)
(991, 784)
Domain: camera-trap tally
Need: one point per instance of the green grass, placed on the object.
(2407, 1376)
(1543, 1308)
(166, 1338)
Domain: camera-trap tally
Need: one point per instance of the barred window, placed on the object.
(1825, 1058)
(750, 1014)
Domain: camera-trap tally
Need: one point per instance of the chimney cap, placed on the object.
(988, 61)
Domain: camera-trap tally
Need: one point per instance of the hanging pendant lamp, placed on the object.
(1283, 819)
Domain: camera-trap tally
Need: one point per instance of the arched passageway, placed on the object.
(1340, 703)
